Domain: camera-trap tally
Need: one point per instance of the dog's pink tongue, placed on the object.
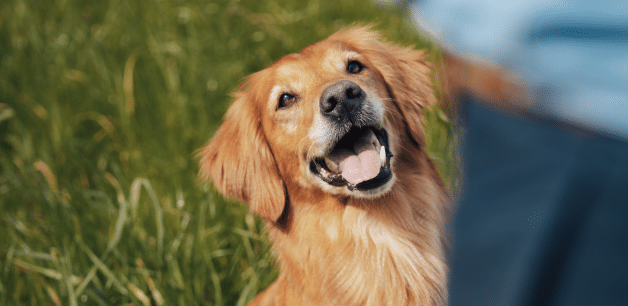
(361, 167)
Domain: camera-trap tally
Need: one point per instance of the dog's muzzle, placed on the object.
(360, 158)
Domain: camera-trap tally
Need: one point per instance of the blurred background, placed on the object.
(102, 107)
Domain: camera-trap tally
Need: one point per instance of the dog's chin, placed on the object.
(357, 165)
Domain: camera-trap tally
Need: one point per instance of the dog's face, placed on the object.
(331, 118)
(325, 116)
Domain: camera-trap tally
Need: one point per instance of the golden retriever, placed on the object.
(327, 146)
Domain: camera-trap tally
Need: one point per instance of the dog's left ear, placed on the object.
(407, 76)
(405, 71)
(240, 163)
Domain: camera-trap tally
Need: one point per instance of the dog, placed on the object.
(327, 146)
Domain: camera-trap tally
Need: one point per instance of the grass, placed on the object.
(102, 106)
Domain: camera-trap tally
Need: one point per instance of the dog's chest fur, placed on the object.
(363, 255)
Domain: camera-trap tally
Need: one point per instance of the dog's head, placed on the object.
(331, 118)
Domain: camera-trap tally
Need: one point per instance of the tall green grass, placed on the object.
(102, 106)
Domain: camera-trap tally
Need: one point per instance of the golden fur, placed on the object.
(337, 246)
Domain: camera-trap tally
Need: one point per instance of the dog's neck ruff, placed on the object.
(369, 257)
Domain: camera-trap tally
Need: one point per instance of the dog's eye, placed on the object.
(286, 100)
(354, 67)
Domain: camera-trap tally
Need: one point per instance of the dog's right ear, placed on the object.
(240, 163)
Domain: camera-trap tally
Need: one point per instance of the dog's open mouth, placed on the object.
(360, 160)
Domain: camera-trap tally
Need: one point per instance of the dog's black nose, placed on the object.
(341, 100)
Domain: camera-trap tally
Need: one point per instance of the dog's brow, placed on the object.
(330, 61)
(351, 55)
(274, 93)
(285, 70)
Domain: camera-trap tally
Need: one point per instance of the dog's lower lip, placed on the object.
(382, 178)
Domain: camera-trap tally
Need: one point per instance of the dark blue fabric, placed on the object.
(543, 216)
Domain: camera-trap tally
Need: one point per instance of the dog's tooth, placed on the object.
(332, 166)
(382, 155)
